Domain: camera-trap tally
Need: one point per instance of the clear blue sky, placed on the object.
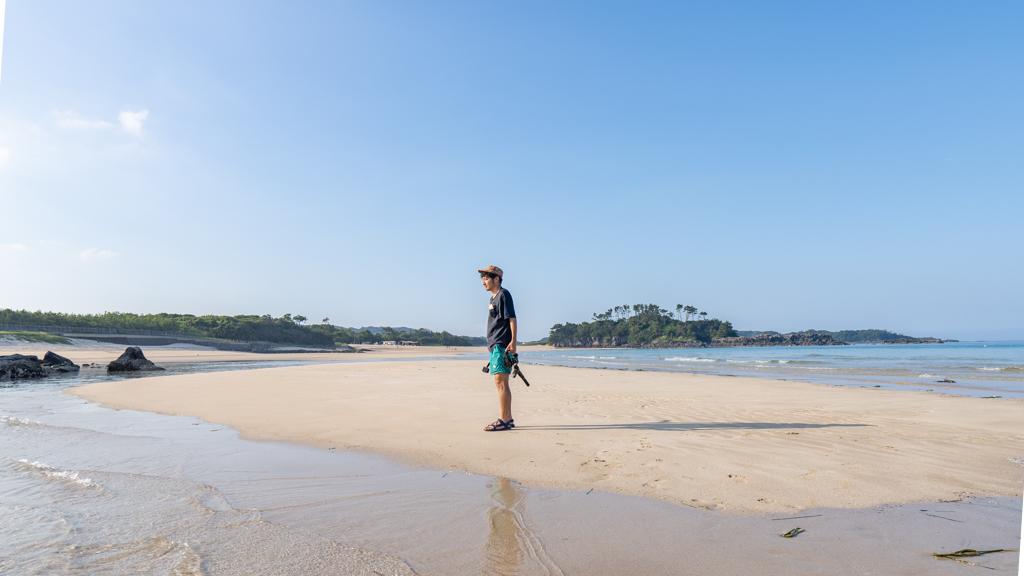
(784, 165)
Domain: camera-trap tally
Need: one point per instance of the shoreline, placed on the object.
(727, 443)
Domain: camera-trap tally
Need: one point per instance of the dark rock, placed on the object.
(57, 364)
(17, 366)
(131, 361)
(946, 381)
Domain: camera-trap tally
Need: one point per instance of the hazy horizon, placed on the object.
(784, 166)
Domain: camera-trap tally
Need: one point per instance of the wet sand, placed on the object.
(736, 444)
(148, 493)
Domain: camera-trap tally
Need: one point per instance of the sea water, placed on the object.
(975, 368)
(87, 490)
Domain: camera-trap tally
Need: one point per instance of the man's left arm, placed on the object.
(514, 327)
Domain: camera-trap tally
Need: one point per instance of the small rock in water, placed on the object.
(946, 381)
(131, 361)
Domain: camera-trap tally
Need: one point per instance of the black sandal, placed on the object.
(499, 425)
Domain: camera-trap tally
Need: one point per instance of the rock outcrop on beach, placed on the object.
(132, 360)
(20, 366)
(54, 363)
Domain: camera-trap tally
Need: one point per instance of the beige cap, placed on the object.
(492, 269)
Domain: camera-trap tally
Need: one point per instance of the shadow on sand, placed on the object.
(669, 426)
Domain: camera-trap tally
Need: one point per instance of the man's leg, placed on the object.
(504, 396)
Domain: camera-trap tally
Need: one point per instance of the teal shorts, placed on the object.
(498, 365)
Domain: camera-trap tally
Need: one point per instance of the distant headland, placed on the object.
(249, 333)
(651, 326)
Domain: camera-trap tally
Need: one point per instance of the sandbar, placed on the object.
(713, 442)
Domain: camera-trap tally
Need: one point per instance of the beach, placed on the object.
(712, 442)
(376, 463)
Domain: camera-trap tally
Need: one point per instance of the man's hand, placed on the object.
(511, 347)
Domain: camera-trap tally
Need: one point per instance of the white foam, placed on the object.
(51, 472)
(927, 376)
(989, 369)
(15, 421)
(583, 357)
(688, 359)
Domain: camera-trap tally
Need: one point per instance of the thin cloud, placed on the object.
(69, 120)
(132, 122)
(5, 157)
(96, 254)
(13, 247)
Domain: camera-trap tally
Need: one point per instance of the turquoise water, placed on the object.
(976, 368)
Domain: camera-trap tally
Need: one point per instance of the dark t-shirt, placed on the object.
(499, 311)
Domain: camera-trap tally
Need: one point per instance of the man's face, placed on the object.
(489, 281)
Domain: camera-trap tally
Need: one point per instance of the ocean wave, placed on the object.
(1002, 368)
(583, 357)
(766, 362)
(689, 359)
(927, 376)
(57, 474)
(15, 421)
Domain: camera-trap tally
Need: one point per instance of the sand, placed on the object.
(733, 444)
(83, 351)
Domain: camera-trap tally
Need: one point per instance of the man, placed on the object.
(501, 338)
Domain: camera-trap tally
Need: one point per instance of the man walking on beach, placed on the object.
(501, 338)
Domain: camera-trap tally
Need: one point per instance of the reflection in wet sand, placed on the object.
(504, 553)
(512, 548)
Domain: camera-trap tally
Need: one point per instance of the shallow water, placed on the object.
(89, 490)
(976, 368)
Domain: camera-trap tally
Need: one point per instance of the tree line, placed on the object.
(286, 329)
(642, 325)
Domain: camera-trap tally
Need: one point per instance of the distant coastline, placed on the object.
(246, 333)
(651, 326)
